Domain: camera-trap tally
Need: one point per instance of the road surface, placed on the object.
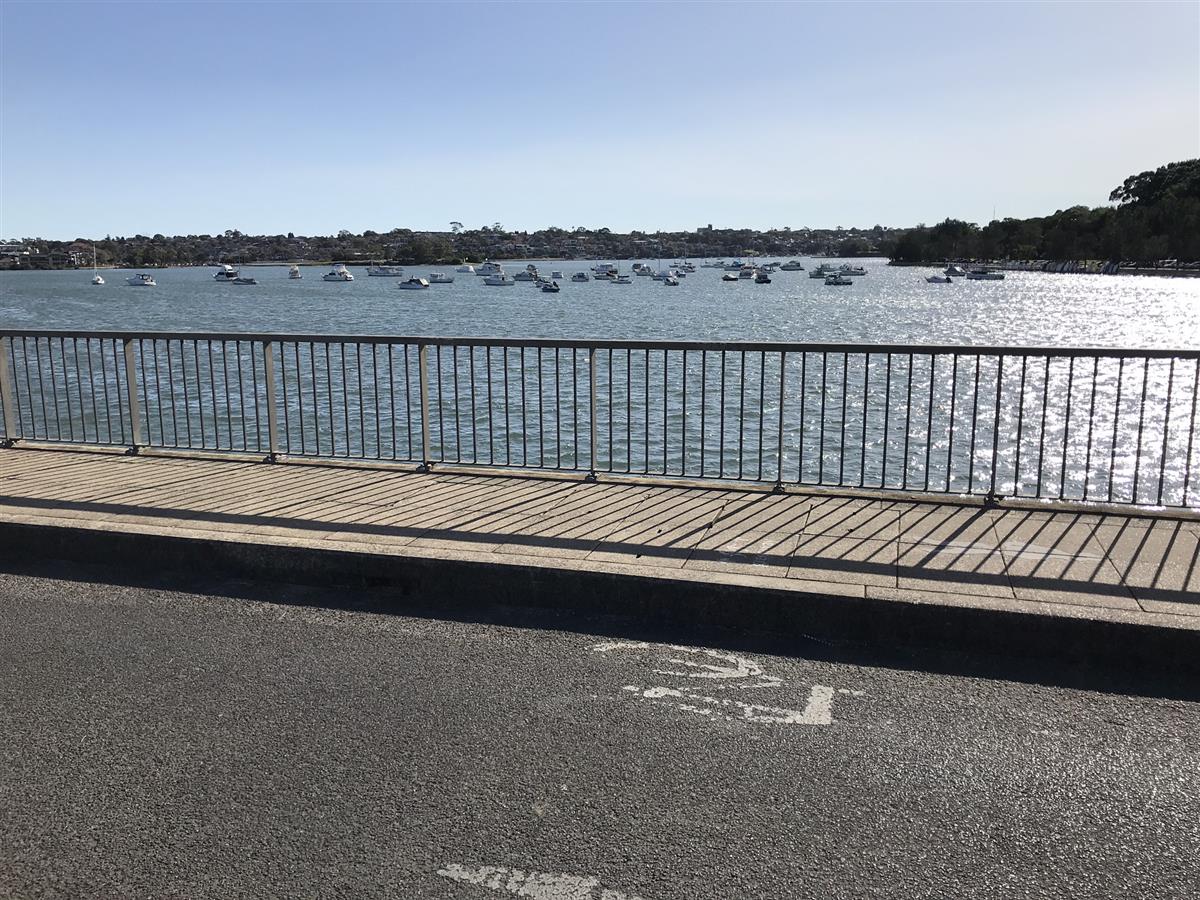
(170, 744)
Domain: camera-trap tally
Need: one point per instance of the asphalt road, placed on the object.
(163, 744)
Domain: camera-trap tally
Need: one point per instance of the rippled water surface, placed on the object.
(889, 305)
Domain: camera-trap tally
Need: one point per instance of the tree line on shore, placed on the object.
(1156, 218)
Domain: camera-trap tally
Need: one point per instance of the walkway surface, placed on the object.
(1113, 567)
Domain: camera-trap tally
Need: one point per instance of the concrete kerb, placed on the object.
(461, 585)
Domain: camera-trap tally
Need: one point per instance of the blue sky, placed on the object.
(123, 118)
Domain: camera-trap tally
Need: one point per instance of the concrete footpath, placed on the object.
(1090, 587)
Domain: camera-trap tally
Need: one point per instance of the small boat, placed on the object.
(489, 268)
(440, 278)
(225, 273)
(294, 273)
(526, 276)
(556, 275)
(848, 269)
(501, 279)
(837, 280)
(818, 273)
(581, 276)
(141, 280)
(622, 279)
(938, 279)
(413, 284)
(337, 273)
(984, 275)
(245, 279)
(465, 270)
(792, 265)
(671, 281)
(604, 269)
(551, 288)
(762, 277)
(729, 276)
(96, 277)
(955, 270)
(379, 270)
(746, 272)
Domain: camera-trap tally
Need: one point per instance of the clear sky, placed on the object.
(123, 118)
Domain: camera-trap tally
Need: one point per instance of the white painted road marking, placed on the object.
(818, 710)
(729, 672)
(534, 885)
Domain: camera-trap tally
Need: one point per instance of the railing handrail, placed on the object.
(617, 344)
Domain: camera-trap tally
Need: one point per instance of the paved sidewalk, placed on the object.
(1121, 568)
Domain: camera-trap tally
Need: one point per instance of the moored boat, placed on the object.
(729, 276)
(413, 284)
(294, 273)
(141, 280)
(581, 276)
(837, 280)
(439, 278)
(792, 265)
(499, 279)
(338, 273)
(245, 279)
(938, 279)
(984, 275)
(225, 273)
(379, 270)
(465, 269)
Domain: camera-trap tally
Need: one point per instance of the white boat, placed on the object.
(96, 277)
(581, 276)
(527, 275)
(489, 268)
(746, 272)
(465, 270)
(819, 273)
(551, 288)
(440, 278)
(837, 280)
(294, 273)
(413, 284)
(141, 280)
(938, 279)
(499, 280)
(381, 271)
(245, 279)
(762, 277)
(622, 279)
(848, 269)
(225, 273)
(556, 275)
(729, 276)
(671, 281)
(984, 275)
(337, 273)
(954, 270)
(604, 269)
(792, 265)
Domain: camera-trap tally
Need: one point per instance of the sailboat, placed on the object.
(96, 277)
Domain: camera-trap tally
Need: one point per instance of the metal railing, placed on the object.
(1114, 426)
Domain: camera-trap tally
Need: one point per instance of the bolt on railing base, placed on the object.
(590, 478)
(132, 450)
(271, 458)
(778, 488)
(992, 500)
(425, 467)
(7, 443)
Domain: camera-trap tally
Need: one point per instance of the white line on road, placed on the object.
(818, 710)
(534, 885)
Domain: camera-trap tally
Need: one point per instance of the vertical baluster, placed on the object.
(1062, 481)
(7, 394)
(1137, 462)
(929, 419)
(996, 428)
(131, 394)
(1162, 470)
(268, 354)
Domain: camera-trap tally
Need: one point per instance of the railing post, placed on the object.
(991, 499)
(131, 392)
(591, 475)
(272, 416)
(778, 489)
(6, 395)
(423, 372)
